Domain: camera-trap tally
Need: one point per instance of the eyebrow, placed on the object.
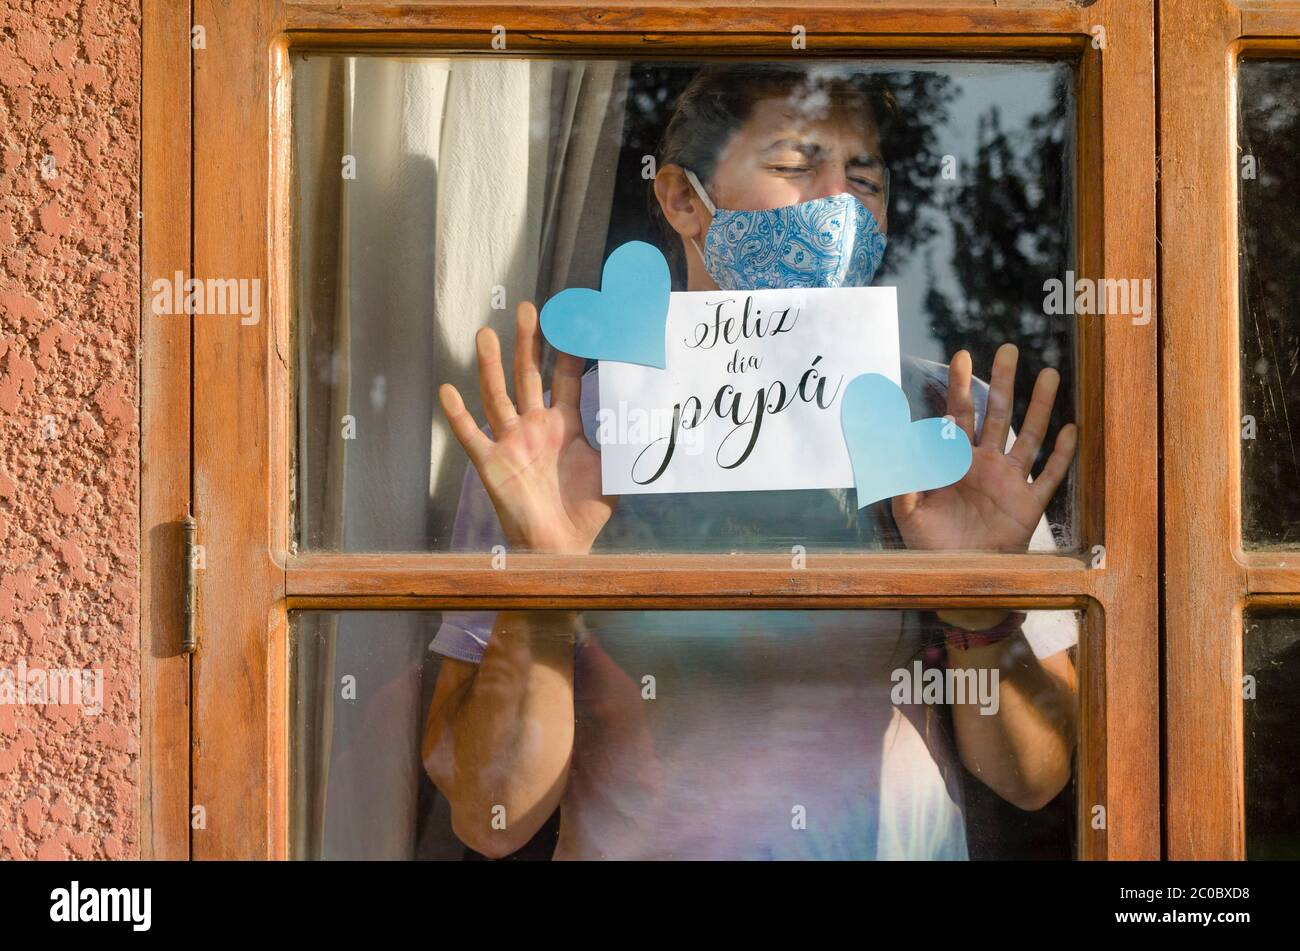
(866, 159)
(869, 159)
(796, 144)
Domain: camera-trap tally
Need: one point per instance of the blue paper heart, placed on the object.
(622, 321)
(892, 455)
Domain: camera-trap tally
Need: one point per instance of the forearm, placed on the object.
(511, 732)
(1022, 751)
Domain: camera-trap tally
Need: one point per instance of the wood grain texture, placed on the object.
(1281, 578)
(713, 21)
(1273, 19)
(164, 434)
(588, 601)
(239, 468)
(242, 412)
(1128, 391)
(1210, 580)
(903, 575)
(1204, 582)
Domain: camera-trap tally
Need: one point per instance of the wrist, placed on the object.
(962, 638)
(541, 543)
(972, 619)
(540, 628)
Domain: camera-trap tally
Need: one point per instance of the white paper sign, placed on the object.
(751, 395)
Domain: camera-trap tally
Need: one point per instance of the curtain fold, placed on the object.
(478, 183)
(529, 222)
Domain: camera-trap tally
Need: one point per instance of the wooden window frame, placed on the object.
(241, 397)
(165, 452)
(1210, 578)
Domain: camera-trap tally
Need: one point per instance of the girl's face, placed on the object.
(783, 155)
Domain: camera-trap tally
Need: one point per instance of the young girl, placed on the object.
(764, 734)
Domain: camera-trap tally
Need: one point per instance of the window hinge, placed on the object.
(190, 643)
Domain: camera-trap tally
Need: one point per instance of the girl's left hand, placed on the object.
(994, 506)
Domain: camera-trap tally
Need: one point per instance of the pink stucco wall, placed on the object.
(69, 426)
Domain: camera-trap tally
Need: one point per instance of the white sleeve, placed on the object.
(1049, 631)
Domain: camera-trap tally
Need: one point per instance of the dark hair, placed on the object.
(720, 99)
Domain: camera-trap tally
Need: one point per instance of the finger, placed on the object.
(528, 358)
(566, 381)
(500, 411)
(1034, 428)
(997, 418)
(904, 505)
(960, 405)
(474, 441)
(1058, 464)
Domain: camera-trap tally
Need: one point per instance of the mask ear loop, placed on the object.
(708, 203)
(704, 196)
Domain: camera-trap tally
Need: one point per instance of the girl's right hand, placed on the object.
(539, 470)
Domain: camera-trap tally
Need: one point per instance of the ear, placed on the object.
(681, 206)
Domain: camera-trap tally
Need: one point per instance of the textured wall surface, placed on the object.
(69, 456)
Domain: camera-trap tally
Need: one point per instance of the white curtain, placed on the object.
(529, 152)
(429, 190)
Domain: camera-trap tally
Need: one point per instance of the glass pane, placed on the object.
(1272, 723)
(432, 195)
(1269, 187)
(693, 734)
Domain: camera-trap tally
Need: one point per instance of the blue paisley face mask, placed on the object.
(826, 242)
